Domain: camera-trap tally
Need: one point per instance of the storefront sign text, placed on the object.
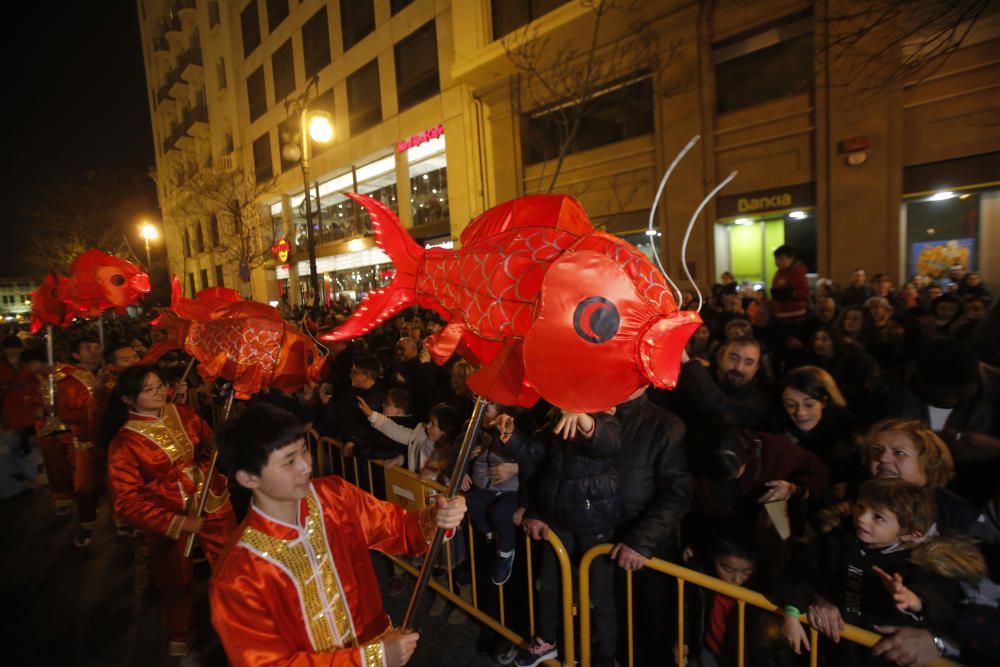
(418, 139)
(752, 205)
(281, 249)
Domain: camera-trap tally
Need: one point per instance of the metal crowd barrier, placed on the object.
(411, 491)
(743, 597)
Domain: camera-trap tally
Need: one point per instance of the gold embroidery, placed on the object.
(167, 433)
(174, 530)
(373, 654)
(311, 565)
(427, 525)
(86, 378)
(79, 446)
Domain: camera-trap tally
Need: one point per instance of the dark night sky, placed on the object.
(75, 101)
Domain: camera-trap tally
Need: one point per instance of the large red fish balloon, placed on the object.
(99, 281)
(47, 305)
(205, 302)
(551, 306)
(243, 342)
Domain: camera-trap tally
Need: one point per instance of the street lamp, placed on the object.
(149, 233)
(319, 126)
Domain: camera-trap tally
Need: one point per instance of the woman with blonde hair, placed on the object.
(908, 449)
(814, 415)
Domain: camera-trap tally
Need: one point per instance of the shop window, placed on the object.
(417, 67)
(357, 20)
(316, 43)
(277, 11)
(619, 112)
(213, 228)
(745, 246)
(942, 231)
(396, 6)
(429, 191)
(509, 15)
(364, 100)
(220, 276)
(204, 279)
(263, 169)
(283, 67)
(256, 94)
(250, 22)
(767, 65)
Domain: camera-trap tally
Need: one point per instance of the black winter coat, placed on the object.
(571, 484)
(655, 482)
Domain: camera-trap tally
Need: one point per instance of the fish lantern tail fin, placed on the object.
(406, 257)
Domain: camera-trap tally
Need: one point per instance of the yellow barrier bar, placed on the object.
(500, 595)
(850, 633)
(680, 621)
(628, 617)
(447, 555)
(531, 586)
(472, 562)
(357, 475)
(742, 607)
(569, 652)
(813, 647)
(371, 487)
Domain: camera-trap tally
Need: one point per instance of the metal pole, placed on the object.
(456, 480)
(310, 237)
(203, 497)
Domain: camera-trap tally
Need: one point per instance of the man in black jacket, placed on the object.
(734, 392)
(656, 491)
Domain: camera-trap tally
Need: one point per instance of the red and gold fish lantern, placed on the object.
(47, 304)
(99, 281)
(549, 305)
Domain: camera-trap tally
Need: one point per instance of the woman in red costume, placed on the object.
(157, 462)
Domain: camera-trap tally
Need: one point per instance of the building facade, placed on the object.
(443, 108)
(15, 298)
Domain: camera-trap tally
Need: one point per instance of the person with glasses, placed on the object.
(157, 464)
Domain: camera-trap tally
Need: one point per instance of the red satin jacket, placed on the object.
(22, 402)
(306, 594)
(156, 466)
(75, 387)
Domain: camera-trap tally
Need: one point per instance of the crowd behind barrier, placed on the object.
(829, 457)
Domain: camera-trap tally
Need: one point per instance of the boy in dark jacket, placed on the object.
(864, 573)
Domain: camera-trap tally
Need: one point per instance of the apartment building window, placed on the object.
(256, 94)
(213, 230)
(220, 277)
(357, 20)
(396, 6)
(192, 288)
(214, 17)
(621, 111)
(277, 11)
(769, 64)
(509, 15)
(364, 101)
(199, 238)
(204, 278)
(250, 22)
(417, 67)
(283, 67)
(220, 73)
(316, 43)
(263, 169)
(187, 243)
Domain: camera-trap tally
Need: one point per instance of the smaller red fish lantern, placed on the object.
(244, 342)
(281, 250)
(99, 281)
(47, 304)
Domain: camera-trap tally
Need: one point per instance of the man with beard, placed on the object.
(734, 391)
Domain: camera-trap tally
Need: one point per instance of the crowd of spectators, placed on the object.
(837, 450)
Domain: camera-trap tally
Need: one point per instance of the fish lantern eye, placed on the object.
(596, 320)
(118, 280)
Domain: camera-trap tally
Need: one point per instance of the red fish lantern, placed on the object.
(47, 304)
(99, 281)
(244, 342)
(549, 305)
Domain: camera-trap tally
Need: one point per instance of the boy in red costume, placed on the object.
(295, 584)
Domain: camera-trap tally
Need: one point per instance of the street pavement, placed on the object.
(83, 607)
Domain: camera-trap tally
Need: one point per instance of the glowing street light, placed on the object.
(149, 233)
